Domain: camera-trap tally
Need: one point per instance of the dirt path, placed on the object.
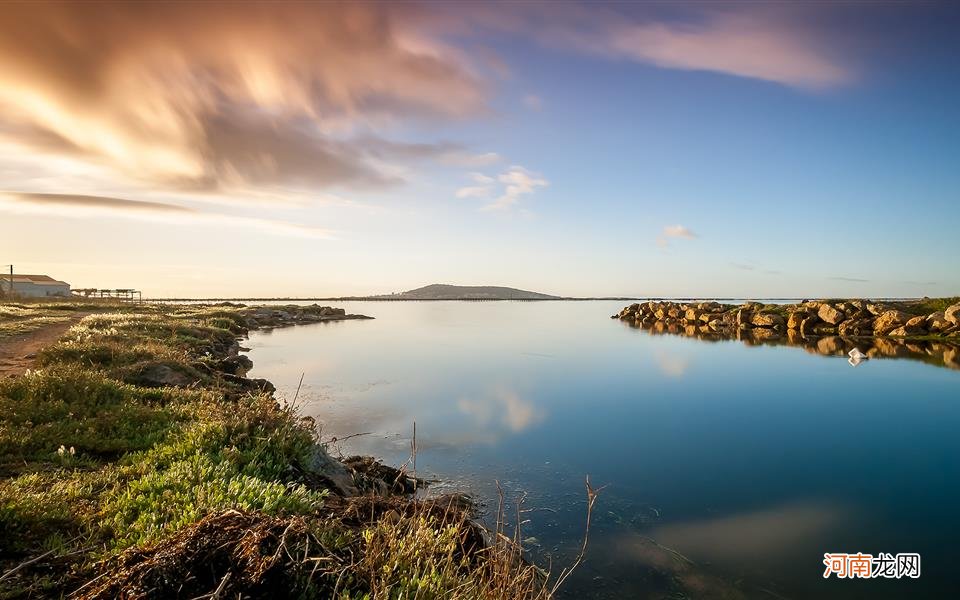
(18, 352)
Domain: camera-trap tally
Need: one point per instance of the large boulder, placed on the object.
(770, 320)
(854, 327)
(889, 321)
(829, 314)
(797, 317)
(876, 309)
(692, 315)
(937, 322)
(952, 314)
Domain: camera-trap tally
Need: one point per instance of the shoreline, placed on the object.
(139, 451)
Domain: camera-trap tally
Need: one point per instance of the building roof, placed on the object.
(35, 279)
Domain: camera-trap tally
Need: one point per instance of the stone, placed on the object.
(770, 320)
(889, 321)
(808, 326)
(796, 318)
(917, 325)
(937, 322)
(829, 314)
(323, 465)
(743, 317)
(877, 309)
(952, 314)
(160, 375)
(856, 327)
(692, 315)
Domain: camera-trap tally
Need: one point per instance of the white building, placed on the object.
(33, 286)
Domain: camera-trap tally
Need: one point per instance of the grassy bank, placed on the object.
(137, 461)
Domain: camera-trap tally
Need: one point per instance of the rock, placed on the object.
(808, 326)
(770, 320)
(692, 315)
(917, 325)
(743, 317)
(856, 327)
(236, 365)
(829, 314)
(889, 321)
(898, 332)
(877, 309)
(324, 466)
(161, 375)
(937, 322)
(952, 314)
(796, 318)
(673, 313)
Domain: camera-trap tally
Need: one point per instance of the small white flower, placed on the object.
(61, 450)
(72, 451)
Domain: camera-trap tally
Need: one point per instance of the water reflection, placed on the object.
(712, 450)
(938, 353)
(503, 408)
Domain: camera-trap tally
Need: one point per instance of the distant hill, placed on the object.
(440, 291)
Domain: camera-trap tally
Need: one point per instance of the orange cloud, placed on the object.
(222, 94)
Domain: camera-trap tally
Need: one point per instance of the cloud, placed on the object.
(676, 232)
(746, 267)
(82, 206)
(671, 365)
(508, 187)
(787, 45)
(740, 44)
(76, 200)
(217, 95)
(519, 182)
(851, 279)
(505, 409)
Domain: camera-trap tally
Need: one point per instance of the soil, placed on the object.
(18, 352)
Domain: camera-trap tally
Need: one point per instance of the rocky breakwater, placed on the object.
(916, 329)
(270, 317)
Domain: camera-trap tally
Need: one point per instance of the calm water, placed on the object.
(749, 461)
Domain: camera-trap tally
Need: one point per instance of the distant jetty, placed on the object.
(927, 329)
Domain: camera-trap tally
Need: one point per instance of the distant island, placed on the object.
(442, 291)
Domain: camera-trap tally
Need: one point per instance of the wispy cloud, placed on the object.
(748, 267)
(506, 189)
(745, 45)
(851, 279)
(675, 232)
(82, 206)
(519, 182)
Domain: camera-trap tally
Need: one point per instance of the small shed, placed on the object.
(33, 286)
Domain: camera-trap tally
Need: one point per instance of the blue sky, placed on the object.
(748, 150)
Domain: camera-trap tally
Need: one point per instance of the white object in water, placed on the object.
(856, 357)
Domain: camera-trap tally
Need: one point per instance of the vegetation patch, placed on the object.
(136, 461)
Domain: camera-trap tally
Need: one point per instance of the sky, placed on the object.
(756, 149)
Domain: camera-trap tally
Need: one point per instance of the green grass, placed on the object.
(95, 468)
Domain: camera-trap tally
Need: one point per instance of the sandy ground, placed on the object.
(18, 352)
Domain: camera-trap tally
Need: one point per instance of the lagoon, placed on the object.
(729, 470)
